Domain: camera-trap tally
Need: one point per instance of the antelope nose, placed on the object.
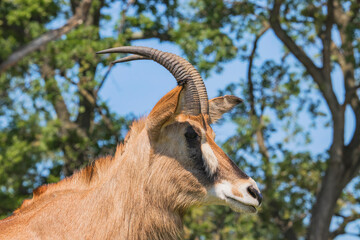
(255, 194)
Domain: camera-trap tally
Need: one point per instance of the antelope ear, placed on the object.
(162, 112)
(220, 105)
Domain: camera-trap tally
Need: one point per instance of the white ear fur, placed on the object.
(220, 105)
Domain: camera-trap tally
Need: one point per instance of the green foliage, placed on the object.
(38, 144)
(22, 21)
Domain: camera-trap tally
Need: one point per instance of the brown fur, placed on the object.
(140, 193)
(236, 192)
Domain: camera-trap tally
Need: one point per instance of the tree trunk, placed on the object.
(332, 183)
(324, 207)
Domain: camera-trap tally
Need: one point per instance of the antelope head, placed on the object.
(179, 133)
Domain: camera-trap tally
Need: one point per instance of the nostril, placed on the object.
(251, 192)
(255, 194)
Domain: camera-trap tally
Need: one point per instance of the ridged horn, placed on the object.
(185, 74)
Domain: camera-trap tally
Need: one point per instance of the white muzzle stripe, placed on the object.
(210, 160)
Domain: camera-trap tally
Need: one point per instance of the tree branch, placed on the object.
(74, 21)
(326, 198)
(316, 73)
(327, 41)
(341, 229)
(54, 93)
(104, 78)
(347, 62)
(107, 121)
(249, 72)
(92, 100)
(286, 226)
(253, 114)
(259, 134)
(340, 17)
(123, 15)
(289, 43)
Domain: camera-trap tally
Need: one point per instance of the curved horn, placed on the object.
(130, 58)
(185, 74)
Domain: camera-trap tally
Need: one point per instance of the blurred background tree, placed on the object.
(53, 120)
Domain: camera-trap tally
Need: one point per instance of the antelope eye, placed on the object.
(190, 133)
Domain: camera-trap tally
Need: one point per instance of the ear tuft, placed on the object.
(220, 105)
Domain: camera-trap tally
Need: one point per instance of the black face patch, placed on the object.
(193, 142)
(191, 135)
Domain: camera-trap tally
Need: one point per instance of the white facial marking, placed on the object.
(222, 194)
(210, 160)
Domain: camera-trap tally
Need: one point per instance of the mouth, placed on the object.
(238, 206)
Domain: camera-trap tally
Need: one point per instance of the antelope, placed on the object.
(168, 162)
